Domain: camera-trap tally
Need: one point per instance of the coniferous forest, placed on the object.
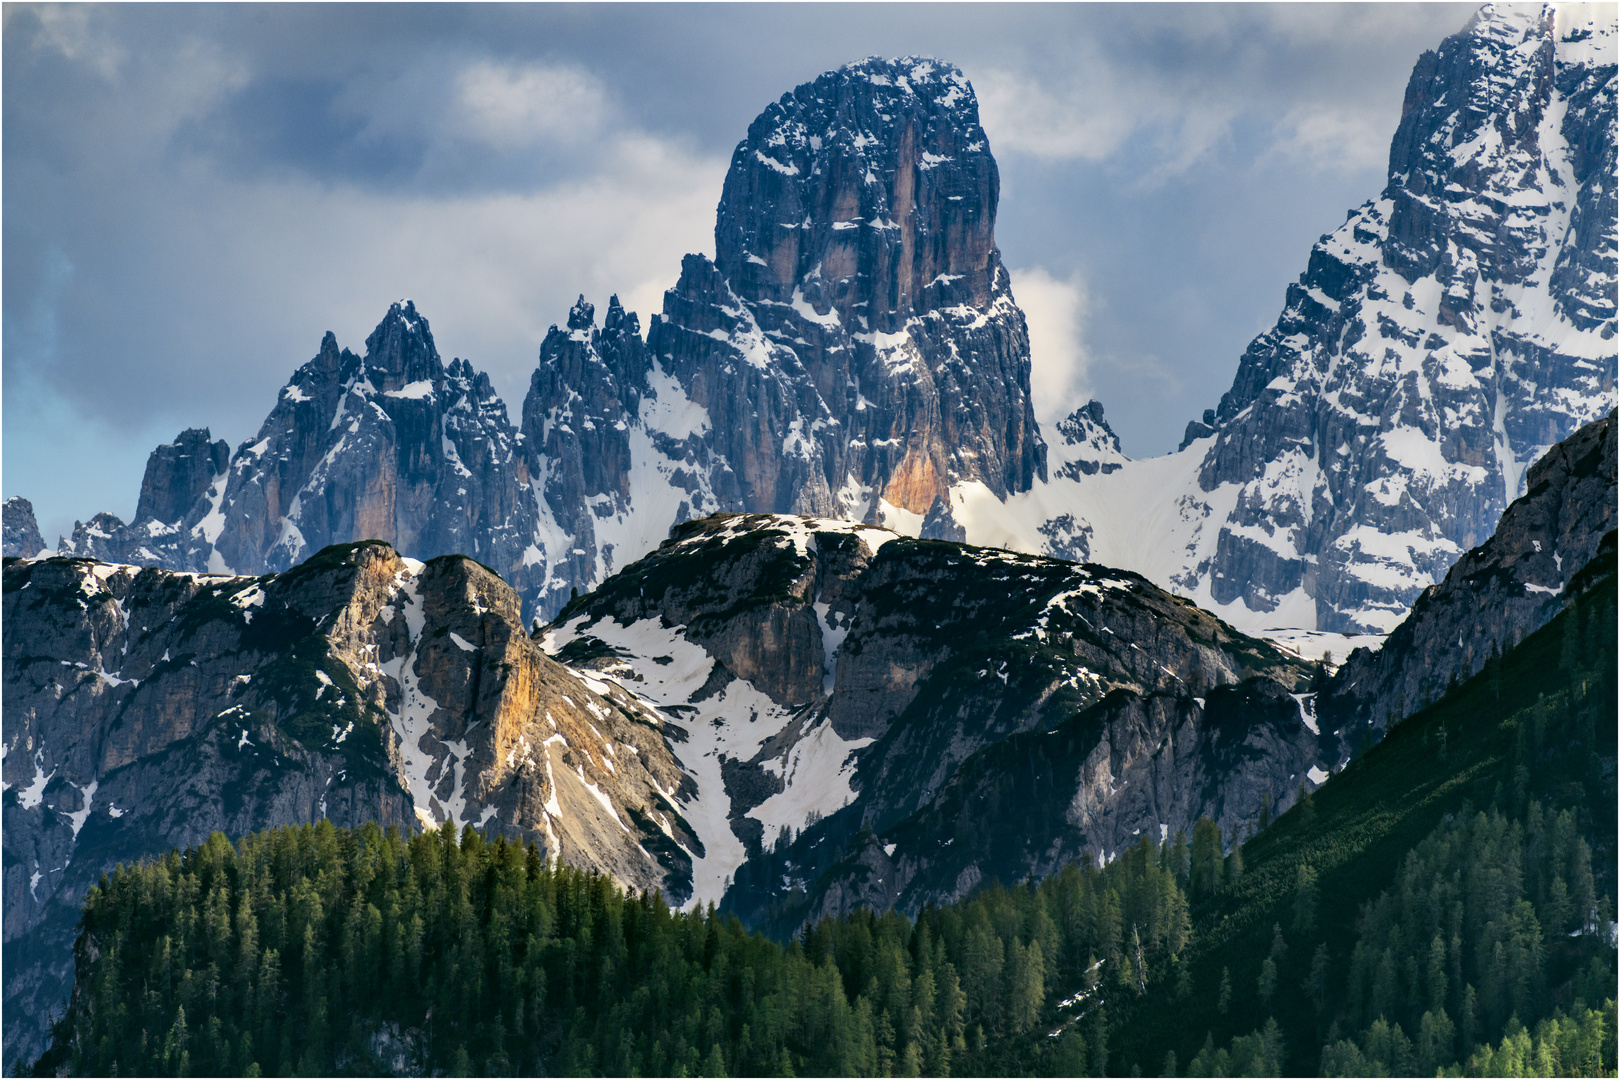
(316, 950)
(1443, 906)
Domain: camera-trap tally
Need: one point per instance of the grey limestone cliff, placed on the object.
(22, 537)
(853, 350)
(393, 446)
(856, 236)
(1439, 341)
(1513, 584)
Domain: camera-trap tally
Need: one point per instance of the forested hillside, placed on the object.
(1452, 887)
(1446, 903)
(318, 950)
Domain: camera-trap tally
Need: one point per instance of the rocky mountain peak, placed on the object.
(869, 191)
(1087, 445)
(362, 686)
(854, 351)
(582, 316)
(1439, 341)
(400, 351)
(617, 320)
(22, 537)
(854, 346)
(180, 473)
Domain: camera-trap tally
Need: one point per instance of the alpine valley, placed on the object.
(788, 605)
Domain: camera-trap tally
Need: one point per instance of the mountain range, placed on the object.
(789, 604)
(854, 350)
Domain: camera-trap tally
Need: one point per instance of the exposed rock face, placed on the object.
(1151, 753)
(618, 450)
(179, 488)
(22, 537)
(1532, 567)
(730, 630)
(832, 674)
(1439, 341)
(394, 446)
(146, 708)
(1089, 445)
(179, 474)
(1090, 785)
(871, 351)
(853, 350)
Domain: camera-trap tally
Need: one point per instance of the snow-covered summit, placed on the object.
(1439, 340)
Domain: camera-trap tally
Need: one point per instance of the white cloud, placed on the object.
(67, 29)
(1317, 84)
(1023, 116)
(1055, 310)
(1090, 116)
(1321, 135)
(510, 107)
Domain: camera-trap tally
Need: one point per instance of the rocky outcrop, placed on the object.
(618, 449)
(1090, 784)
(1440, 340)
(1087, 787)
(835, 677)
(180, 486)
(730, 630)
(394, 446)
(179, 474)
(1531, 568)
(852, 350)
(147, 708)
(869, 352)
(22, 537)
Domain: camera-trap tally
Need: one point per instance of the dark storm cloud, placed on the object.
(195, 193)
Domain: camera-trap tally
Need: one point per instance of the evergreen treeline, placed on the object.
(1475, 935)
(1444, 904)
(316, 950)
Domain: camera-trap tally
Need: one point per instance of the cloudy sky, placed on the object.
(194, 194)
